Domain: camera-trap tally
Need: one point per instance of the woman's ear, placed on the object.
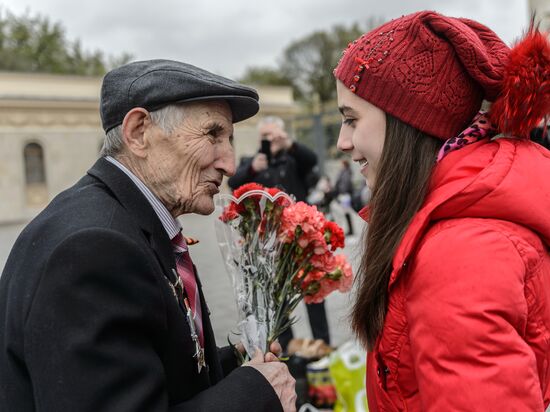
(134, 128)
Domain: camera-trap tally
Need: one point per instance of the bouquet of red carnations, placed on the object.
(277, 252)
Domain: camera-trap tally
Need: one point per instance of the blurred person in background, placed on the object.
(101, 307)
(322, 195)
(280, 161)
(290, 166)
(453, 290)
(344, 191)
(540, 134)
(361, 196)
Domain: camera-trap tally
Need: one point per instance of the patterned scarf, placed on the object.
(481, 128)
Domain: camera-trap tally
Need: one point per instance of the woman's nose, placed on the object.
(344, 143)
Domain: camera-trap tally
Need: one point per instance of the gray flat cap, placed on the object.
(152, 84)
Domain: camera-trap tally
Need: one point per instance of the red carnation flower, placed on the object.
(281, 200)
(272, 191)
(241, 190)
(334, 235)
(324, 262)
(229, 213)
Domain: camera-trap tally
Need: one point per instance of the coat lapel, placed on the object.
(137, 206)
(145, 217)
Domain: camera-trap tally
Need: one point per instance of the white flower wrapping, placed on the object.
(277, 252)
(250, 257)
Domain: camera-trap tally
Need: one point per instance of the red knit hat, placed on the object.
(428, 70)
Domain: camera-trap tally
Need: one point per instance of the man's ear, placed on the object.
(135, 125)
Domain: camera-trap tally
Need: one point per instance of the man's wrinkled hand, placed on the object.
(278, 376)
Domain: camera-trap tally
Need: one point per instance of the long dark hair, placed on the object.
(405, 167)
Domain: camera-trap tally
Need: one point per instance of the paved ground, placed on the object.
(8, 234)
(207, 257)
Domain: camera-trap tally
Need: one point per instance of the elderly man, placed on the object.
(100, 306)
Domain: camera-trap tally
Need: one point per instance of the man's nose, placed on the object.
(227, 164)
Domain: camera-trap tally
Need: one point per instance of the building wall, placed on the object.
(274, 101)
(67, 155)
(60, 113)
(542, 10)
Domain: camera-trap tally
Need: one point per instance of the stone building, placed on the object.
(541, 8)
(50, 134)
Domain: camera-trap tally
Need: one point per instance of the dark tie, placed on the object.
(187, 274)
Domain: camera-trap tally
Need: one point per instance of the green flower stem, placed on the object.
(284, 306)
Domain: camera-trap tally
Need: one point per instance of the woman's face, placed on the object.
(362, 133)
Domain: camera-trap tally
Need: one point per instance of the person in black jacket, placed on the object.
(343, 192)
(290, 166)
(101, 308)
(280, 162)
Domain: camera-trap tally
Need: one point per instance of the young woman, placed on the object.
(453, 299)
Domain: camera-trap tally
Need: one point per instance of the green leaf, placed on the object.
(240, 358)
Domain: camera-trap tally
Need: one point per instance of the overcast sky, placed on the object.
(226, 36)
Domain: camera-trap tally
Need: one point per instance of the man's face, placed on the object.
(185, 168)
(275, 134)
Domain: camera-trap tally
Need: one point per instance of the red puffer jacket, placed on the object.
(468, 322)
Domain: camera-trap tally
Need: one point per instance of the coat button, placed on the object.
(378, 371)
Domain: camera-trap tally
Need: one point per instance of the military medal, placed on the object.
(199, 351)
(177, 286)
(178, 291)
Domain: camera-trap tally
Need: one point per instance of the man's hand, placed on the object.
(259, 162)
(279, 378)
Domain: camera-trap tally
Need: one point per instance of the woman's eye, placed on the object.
(348, 122)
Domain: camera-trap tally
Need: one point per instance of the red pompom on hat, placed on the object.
(428, 70)
(525, 94)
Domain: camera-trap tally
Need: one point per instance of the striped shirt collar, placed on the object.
(171, 225)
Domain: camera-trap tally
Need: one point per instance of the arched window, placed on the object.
(34, 164)
(35, 175)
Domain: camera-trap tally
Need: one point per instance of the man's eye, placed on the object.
(215, 130)
(348, 122)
